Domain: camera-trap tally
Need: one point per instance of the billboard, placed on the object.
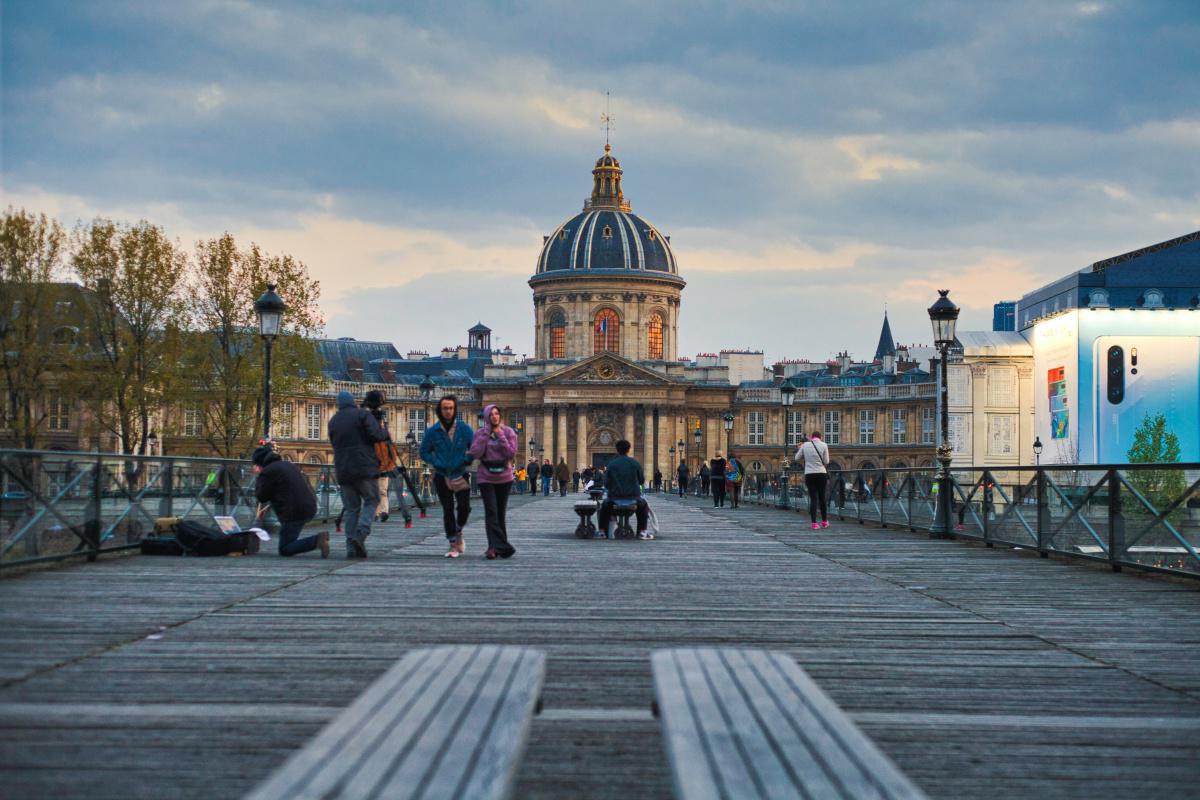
(1099, 373)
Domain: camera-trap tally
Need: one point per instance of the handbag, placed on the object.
(459, 484)
(495, 467)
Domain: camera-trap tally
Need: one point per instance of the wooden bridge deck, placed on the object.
(981, 673)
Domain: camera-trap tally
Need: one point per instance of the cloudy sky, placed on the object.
(812, 161)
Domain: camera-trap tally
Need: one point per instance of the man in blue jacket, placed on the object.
(444, 447)
(353, 433)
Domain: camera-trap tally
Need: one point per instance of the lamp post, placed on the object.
(427, 386)
(943, 314)
(269, 308)
(787, 396)
(1037, 450)
(728, 420)
(699, 458)
(152, 441)
(411, 441)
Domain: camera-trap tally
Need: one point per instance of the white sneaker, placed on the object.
(645, 535)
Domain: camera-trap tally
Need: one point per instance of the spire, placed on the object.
(606, 184)
(887, 342)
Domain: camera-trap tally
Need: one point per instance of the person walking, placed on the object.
(716, 474)
(495, 445)
(281, 484)
(389, 462)
(657, 480)
(575, 476)
(735, 473)
(562, 475)
(814, 455)
(682, 474)
(546, 471)
(519, 480)
(532, 471)
(444, 448)
(353, 433)
(705, 477)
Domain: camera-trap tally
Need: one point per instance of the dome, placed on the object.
(607, 237)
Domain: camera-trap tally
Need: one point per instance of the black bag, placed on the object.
(201, 540)
(161, 546)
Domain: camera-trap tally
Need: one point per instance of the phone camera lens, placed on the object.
(1115, 371)
(1114, 352)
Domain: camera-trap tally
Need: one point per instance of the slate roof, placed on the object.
(887, 342)
(606, 241)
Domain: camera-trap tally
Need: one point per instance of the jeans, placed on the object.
(397, 483)
(359, 500)
(642, 513)
(495, 507)
(816, 482)
(290, 543)
(545, 487)
(683, 482)
(453, 522)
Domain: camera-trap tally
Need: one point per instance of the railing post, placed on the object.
(783, 489)
(912, 492)
(862, 490)
(91, 524)
(166, 503)
(881, 487)
(1043, 515)
(1116, 521)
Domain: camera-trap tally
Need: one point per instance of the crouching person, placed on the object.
(282, 484)
(623, 480)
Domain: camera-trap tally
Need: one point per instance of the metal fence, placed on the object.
(1135, 515)
(60, 504)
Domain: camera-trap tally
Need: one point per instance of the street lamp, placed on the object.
(1037, 450)
(943, 314)
(427, 386)
(787, 396)
(411, 440)
(152, 441)
(728, 420)
(269, 308)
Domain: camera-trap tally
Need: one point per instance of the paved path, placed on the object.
(982, 673)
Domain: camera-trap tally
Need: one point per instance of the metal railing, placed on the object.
(60, 504)
(1126, 515)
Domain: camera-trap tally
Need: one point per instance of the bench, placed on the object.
(752, 724)
(443, 722)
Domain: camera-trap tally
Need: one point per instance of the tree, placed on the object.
(137, 275)
(1154, 444)
(224, 359)
(30, 265)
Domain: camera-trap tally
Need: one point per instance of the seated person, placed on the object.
(623, 480)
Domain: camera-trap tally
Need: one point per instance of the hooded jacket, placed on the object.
(494, 450)
(447, 457)
(282, 484)
(353, 432)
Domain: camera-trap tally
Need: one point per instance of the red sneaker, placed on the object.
(490, 554)
(408, 523)
(422, 515)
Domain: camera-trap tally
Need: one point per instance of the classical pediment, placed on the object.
(605, 369)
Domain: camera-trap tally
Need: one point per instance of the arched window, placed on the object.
(607, 232)
(65, 336)
(607, 331)
(558, 335)
(655, 334)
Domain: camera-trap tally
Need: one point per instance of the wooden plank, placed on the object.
(691, 767)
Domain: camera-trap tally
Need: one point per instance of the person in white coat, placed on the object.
(814, 455)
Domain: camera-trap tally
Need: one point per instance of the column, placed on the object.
(648, 442)
(713, 437)
(581, 448)
(547, 439)
(629, 426)
(560, 449)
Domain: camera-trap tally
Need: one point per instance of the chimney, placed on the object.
(889, 364)
(354, 367)
(387, 372)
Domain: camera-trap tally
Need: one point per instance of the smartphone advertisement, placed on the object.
(1100, 374)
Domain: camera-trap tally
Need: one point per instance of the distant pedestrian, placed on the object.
(390, 465)
(734, 474)
(532, 470)
(353, 433)
(716, 473)
(814, 455)
(657, 480)
(495, 445)
(575, 476)
(519, 480)
(682, 474)
(587, 476)
(445, 449)
(546, 471)
(705, 479)
(281, 484)
(562, 475)
(225, 488)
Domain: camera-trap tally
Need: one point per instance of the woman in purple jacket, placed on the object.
(495, 445)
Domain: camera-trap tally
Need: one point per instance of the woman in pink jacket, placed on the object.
(495, 445)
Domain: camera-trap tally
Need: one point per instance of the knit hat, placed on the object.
(261, 455)
(345, 399)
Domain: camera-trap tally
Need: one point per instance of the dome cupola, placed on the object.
(606, 184)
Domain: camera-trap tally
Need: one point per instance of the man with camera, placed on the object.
(391, 468)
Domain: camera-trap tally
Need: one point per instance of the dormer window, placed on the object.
(607, 232)
(650, 234)
(562, 235)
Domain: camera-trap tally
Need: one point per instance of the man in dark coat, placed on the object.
(547, 473)
(682, 474)
(353, 431)
(531, 474)
(282, 484)
(624, 480)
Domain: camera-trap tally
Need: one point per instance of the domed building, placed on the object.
(607, 280)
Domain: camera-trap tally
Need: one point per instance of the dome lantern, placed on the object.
(606, 184)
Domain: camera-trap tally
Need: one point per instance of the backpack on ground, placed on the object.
(203, 540)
